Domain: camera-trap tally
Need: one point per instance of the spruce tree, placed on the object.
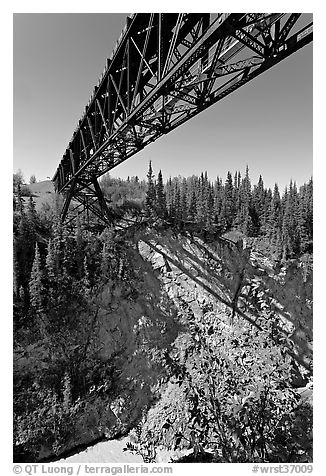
(287, 225)
(258, 206)
(245, 193)
(305, 217)
(36, 288)
(228, 207)
(184, 200)
(192, 212)
(275, 220)
(177, 204)
(160, 197)
(51, 262)
(169, 196)
(150, 195)
(218, 193)
(237, 199)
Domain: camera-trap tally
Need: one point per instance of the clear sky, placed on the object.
(58, 59)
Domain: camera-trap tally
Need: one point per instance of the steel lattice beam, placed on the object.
(165, 69)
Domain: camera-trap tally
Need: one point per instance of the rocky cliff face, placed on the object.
(233, 281)
(177, 276)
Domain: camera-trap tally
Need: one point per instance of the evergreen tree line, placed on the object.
(286, 220)
(55, 266)
(27, 226)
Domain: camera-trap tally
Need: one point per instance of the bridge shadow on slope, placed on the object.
(229, 276)
(205, 278)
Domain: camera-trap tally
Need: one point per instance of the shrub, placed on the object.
(229, 396)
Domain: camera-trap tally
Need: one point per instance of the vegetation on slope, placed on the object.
(229, 399)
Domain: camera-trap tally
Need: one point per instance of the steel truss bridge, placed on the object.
(164, 70)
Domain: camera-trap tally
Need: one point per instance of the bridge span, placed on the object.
(165, 69)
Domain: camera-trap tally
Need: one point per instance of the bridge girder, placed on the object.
(165, 69)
